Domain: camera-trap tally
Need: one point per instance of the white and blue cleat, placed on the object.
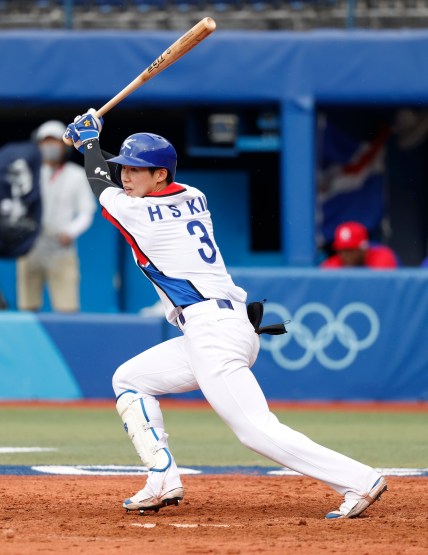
(141, 502)
(354, 507)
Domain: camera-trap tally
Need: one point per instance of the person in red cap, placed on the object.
(353, 250)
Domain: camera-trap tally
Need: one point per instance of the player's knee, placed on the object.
(248, 440)
(247, 436)
(258, 432)
(118, 380)
(115, 383)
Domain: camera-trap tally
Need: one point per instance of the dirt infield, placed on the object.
(220, 515)
(195, 404)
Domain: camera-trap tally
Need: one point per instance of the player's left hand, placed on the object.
(88, 127)
(72, 134)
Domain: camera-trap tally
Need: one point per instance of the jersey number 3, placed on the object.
(204, 238)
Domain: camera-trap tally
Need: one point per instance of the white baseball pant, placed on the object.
(215, 353)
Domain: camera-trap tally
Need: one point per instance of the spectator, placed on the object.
(353, 250)
(68, 207)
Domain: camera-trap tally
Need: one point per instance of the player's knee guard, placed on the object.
(148, 445)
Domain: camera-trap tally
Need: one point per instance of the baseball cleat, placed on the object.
(353, 508)
(139, 502)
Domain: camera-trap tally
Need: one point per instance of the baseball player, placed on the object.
(169, 229)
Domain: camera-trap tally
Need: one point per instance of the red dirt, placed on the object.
(179, 404)
(59, 515)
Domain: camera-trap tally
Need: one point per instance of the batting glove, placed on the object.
(72, 134)
(88, 126)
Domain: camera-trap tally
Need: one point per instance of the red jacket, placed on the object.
(377, 257)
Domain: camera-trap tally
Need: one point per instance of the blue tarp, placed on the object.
(353, 335)
(243, 66)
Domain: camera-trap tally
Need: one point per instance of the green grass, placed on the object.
(96, 436)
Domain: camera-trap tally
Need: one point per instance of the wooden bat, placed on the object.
(181, 46)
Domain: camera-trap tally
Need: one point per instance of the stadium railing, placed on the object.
(230, 14)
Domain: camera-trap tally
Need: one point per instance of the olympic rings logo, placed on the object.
(314, 343)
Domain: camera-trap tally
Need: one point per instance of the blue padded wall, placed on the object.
(359, 338)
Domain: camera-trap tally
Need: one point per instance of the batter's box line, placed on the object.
(182, 525)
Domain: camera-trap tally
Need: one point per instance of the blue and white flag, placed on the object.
(349, 180)
(20, 202)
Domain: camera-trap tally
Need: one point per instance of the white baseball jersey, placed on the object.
(171, 236)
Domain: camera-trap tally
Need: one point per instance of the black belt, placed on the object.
(221, 303)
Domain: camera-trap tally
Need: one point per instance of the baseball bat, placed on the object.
(179, 48)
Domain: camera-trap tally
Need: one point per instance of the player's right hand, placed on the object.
(88, 126)
(84, 128)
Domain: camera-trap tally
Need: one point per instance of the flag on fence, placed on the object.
(20, 202)
(349, 180)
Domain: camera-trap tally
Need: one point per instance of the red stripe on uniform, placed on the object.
(129, 239)
(170, 189)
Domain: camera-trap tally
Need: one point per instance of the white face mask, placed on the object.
(51, 152)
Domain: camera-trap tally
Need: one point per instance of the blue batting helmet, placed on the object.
(147, 150)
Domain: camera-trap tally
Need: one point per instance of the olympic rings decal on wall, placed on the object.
(314, 343)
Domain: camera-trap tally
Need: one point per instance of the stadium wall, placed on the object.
(352, 336)
(356, 335)
(295, 69)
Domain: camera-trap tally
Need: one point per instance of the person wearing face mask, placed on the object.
(68, 208)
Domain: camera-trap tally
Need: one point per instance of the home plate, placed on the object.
(145, 525)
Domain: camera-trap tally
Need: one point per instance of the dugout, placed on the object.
(289, 74)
